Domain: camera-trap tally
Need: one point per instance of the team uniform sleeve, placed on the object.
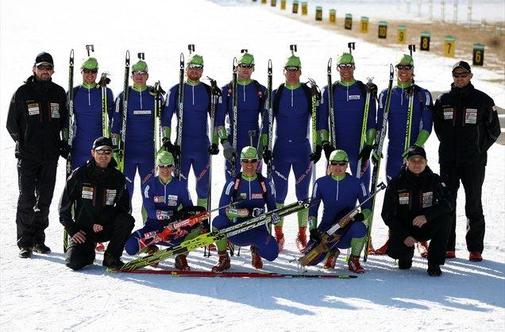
(427, 111)
(116, 118)
(363, 195)
(380, 109)
(148, 200)
(371, 122)
(322, 111)
(271, 196)
(221, 109)
(389, 212)
(438, 119)
(315, 201)
(171, 106)
(225, 197)
(110, 106)
(13, 118)
(492, 124)
(265, 120)
(185, 197)
(66, 205)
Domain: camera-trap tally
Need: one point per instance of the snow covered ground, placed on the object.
(42, 294)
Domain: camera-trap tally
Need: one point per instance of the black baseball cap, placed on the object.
(416, 151)
(463, 65)
(102, 143)
(44, 58)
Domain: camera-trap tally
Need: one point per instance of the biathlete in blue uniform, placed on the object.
(88, 112)
(339, 192)
(253, 192)
(166, 199)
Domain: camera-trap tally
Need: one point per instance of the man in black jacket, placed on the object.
(37, 116)
(95, 208)
(466, 123)
(416, 208)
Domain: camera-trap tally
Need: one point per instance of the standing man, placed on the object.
(95, 208)
(250, 104)
(195, 140)
(88, 112)
(292, 108)
(339, 192)
(254, 192)
(409, 119)
(349, 102)
(416, 208)
(139, 151)
(37, 117)
(466, 123)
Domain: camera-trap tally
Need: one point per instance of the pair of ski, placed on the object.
(208, 238)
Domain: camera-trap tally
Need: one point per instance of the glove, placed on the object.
(275, 218)
(267, 156)
(365, 152)
(174, 149)
(213, 149)
(257, 212)
(228, 151)
(17, 150)
(372, 87)
(328, 149)
(376, 156)
(315, 235)
(359, 217)
(316, 155)
(64, 150)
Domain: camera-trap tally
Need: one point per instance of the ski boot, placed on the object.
(256, 261)
(331, 259)
(279, 236)
(301, 239)
(181, 263)
(223, 263)
(475, 256)
(382, 250)
(354, 265)
(450, 254)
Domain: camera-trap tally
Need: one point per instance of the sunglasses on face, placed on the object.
(246, 66)
(345, 66)
(292, 69)
(165, 166)
(338, 163)
(249, 161)
(460, 75)
(195, 66)
(90, 71)
(140, 73)
(104, 152)
(404, 67)
(45, 67)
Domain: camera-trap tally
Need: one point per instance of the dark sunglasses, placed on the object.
(165, 166)
(246, 66)
(104, 152)
(195, 66)
(90, 71)
(45, 67)
(292, 68)
(346, 66)
(249, 161)
(139, 73)
(339, 163)
(460, 75)
(404, 67)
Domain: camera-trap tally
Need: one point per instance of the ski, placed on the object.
(315, 252)
(241, 274)
(363, 164)
(270, 113)
(102, 83)
(122, 139)
(70, 128)
(333, 138)
(158, 93)
(234, 123)
(378, 151)
(180, 114)
(316, 98)
(211, 237)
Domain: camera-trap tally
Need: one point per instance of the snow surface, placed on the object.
(42, 294)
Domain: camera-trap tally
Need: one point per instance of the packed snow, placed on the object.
(42, 294)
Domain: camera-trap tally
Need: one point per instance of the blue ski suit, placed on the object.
(292, 112)
(348, 109)
(195, 139)
(161, 202)
(254, 193)
(397, 122)
(139, 145)
(250, 104)
(339, 198)
(88, 120)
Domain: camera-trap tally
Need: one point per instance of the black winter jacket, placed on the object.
(466, 124)
(37, 115)
(408, 196)
(93, 195)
